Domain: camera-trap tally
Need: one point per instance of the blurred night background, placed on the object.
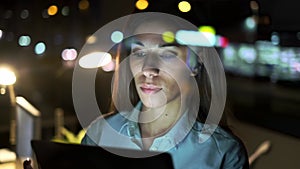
(258, 42)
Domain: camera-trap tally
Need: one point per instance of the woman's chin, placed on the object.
(153, 103)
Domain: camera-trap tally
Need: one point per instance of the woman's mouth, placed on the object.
(150, 88)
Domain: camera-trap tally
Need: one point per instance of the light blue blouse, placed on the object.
(189, 148)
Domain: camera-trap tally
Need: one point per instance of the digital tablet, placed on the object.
(50, 155)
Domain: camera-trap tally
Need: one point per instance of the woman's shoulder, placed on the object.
(101, 124)
(225, 143)
(112, 118)
(220, 136)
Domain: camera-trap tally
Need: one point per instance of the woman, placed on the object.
(169, 104)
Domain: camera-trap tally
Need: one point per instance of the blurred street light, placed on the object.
(8, 79)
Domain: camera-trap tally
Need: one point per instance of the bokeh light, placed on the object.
(268, 53)
(208, 29)
(250, 23)
(24, 14)
(117, 36)
(40, 48)
(247, 54)
(83, 5)
(109, 67)
(2, 90)
(1, 34)
(184, 6)
(229, 52)
(45, 13)
(7, 76)
(295, 65)
(52, 10)
(69, 54)
(91, 39)
(209, 32)
(141, 4)
(229, 57)
(221, 41)
(254, 5)
(194, 38)
(297, 35)
(24, 40)
(168, 37)
(65, 11)
(95, 60)
(275, 39)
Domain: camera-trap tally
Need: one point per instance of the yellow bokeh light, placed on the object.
(168, 37)
(83, 4)
(141, 4)
(184, 6)
(52, 10)
(91, 39)
(209, 29)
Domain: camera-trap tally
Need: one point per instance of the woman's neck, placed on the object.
(155, 122)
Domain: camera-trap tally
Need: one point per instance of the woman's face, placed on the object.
(160, 73)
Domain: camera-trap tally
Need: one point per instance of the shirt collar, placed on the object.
(175, 135)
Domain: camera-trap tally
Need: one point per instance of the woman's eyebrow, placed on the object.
(136, 42)
(169, 44)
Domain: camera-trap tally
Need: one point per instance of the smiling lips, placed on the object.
(150, 88)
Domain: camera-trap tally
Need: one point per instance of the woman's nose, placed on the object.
(150, 68)
(150, 72)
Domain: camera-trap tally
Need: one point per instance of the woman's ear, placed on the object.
(193, 61)
(195, 70)
(194, 73)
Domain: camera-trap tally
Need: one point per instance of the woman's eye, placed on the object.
(139, 53)
(168, 55)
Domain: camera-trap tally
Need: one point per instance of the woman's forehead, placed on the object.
(148, 39)
(157, 27)
(154, 40)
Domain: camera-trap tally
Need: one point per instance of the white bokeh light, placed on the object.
(95, 60)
